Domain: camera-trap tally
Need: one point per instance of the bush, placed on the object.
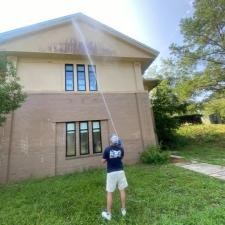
(153, 155)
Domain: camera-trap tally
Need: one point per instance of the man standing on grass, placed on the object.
(113, 155)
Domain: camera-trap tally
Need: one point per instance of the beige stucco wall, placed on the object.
(44, 75)
(68, 39)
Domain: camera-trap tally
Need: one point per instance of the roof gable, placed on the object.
(74, 34)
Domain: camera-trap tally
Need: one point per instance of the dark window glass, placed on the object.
(84, 140)
(96, 136)
(70, 139)
(92, 78)
(81, 82)
(69, 77)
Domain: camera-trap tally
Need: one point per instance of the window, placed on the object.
(92, 78)
(81, 82)
(70, 139)
(69, 77)
(96, 137)
(84, 140)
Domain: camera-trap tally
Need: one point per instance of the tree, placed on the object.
(11, 94)
(203, 49)
(165, 105)
(215, 106)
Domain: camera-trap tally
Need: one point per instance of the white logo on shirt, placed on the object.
(114, 154)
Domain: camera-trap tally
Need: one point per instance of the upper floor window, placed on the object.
(69, 77)
(70, 139)
(81, 82)
(92, 78)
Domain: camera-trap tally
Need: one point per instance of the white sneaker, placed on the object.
(123, 211)
(106, 215)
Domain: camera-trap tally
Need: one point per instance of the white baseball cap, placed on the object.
(114, 139)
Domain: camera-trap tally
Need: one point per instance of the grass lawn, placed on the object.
(204, 143)
(156, 195)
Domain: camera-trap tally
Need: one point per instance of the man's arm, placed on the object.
(104, 157)
(103, 160)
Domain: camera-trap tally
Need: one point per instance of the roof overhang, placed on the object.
(150, 83)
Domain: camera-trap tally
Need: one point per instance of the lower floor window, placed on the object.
(82, 132)
(70, 139)
(84, 140)
(96, 136)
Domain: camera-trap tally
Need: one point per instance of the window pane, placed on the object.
(96, 136)
(91, 68)
(69, 67)
(95, 125)
(83, 126)
(80, 68)
(84, 145)
(84, 142)
(70, 139)
(93, 83)
(69, 78)
(92, 78)
(81, 82)
(97, 145)
(70, 126)
(70, 144)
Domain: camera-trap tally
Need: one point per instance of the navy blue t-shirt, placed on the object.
(113, 155)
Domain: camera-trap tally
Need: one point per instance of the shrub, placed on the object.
(153, 155)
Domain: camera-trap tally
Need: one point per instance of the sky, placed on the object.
(152, 22)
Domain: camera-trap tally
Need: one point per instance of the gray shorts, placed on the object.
(116, 179)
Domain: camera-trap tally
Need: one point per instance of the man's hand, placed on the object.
(103, 161)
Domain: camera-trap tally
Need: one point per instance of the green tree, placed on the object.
(165, 105)
(203, 49)
(11, 94)
(215, 106)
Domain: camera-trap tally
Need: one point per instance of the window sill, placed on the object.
(84, 156)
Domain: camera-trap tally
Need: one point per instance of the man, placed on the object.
(113, 155)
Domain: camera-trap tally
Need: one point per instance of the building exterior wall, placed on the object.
(38, 131)
(44, 75)
(33, 139)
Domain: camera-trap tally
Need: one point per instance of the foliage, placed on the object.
(165, 104)
(153, 155)
(11, 94)
(156, 195)
(213, 134)
(204, 143)
(203, 50)
(191, 119)
(216, 106)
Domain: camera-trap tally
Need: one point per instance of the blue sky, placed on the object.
(153, 22)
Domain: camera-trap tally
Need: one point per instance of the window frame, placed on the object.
(75, 139)
(92, 130)
(84, 77)
(88, 152)
(93, 66)
(65, 76)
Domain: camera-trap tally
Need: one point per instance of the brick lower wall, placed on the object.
(32, 142)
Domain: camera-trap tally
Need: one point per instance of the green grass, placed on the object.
(156, 195)
(204, 143)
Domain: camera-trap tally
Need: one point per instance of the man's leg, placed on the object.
(123, 198)
(109, 201)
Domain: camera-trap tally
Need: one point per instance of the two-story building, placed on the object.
(83, 82)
